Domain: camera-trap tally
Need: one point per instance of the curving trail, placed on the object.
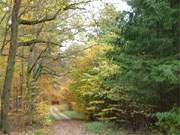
(57, 115)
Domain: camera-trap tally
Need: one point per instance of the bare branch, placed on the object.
(5, 42)
(36, 61)
(4, 16)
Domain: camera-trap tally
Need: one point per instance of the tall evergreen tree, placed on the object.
(148, 51)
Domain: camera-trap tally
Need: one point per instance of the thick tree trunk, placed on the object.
(10, 67)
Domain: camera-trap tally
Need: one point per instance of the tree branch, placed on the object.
(36, 41)
(46, 19)
(4, 16)
(48, 71)
(36, 61)
(50, 18)
(77, 52)
(17, 55)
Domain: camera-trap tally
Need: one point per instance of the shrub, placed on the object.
(75, 115)
(103, 128)
(169, 122)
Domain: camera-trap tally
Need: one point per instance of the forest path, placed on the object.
(63, 125)
(57, 114)
(70, 127)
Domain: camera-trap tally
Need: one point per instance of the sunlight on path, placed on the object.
(56, 114)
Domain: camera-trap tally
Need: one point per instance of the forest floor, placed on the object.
(62, 125)
(65, 125)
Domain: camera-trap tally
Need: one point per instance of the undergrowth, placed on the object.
(104, 128)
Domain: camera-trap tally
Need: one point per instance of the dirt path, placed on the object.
(65, 126)
(70, 127)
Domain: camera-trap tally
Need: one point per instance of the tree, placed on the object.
(23, 18)
(148, 51)
(10, 66)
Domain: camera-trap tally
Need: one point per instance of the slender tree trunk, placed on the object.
(19, 92)
(10, 67)
(21, 81)
(28, 85)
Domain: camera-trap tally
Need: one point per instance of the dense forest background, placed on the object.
(117, 66)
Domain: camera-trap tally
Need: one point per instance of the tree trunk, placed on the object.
(28, 86)
(20, 99)
(10, 67)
